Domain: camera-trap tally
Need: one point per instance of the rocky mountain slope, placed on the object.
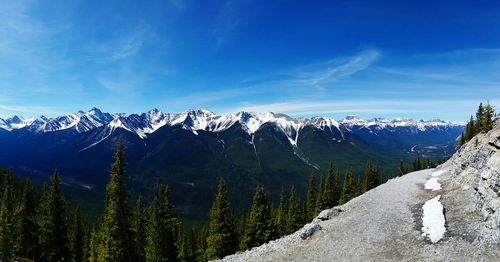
(404, 219)
(191, 150)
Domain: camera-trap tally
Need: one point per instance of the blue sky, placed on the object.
(421, 59)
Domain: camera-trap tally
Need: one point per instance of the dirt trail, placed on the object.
(383, 224)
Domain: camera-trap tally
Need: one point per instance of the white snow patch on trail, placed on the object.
(438, 173)
(433, 184)
(433, 220)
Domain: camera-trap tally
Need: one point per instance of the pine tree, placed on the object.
(360, 186)
(6, 223)
(311, 196)
(53, 231)
(480, 119)
(319, 198)
(489, 113)
(329, 195)
(349, 188)
(260, 226)
(93, 252)
(221, 239)
(77, 236)
(281, 214)
(26, 227)
(139, 221)
(372, 176)
(402, 168)
(160, 235)
(295, 212)
(185, 247)
(115, 241)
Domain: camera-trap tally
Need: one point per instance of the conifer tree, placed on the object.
(6, 223)
(349, 188)
(295, 212)
(281, 214)
(489, 113)
(311, 196)
(221, 239)
(185, 247)
(139, 221)
(115, 240)
(160, 235)
(53, 231)
(319, 198)
(402, 168)
(77, 236)
(93, 246)
(480, 119)
(329, 197)
(26, 227)
(260, 226)
(372, 176)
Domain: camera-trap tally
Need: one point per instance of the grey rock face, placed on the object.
(477, 165)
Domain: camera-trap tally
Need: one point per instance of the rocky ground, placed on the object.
(385, 224)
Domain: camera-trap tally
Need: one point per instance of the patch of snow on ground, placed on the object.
(433, 184)
(433, 220)
(438, 173)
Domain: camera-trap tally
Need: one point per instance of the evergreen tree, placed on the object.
(480, 119)
(221, 239)
(185, 247)
(312, 193)
(260, 226)
(6, 223)
(93, 252)
(489, 113)
(281, 214)
(402, 168)
(331, 192)
(115, 240)
(295, 212)
(139, 221)
(53, 231)
(26, 227)
(349, 188)
(77, 236)
(372, 176)
(319, 197)
(160, 235)
(360, 186)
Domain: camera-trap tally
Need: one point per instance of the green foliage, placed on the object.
(6, 223)
(281, 214)
(139, 221)
(331, 190)
(115, 241)
(312, 195)
(295, 212)
(260, 226)
(483, 123)
(372, 176)
(26, 226)
(77, 237)
(349, 189)
(53, 232)
(160, 235)
(221, 240)
(402, 169)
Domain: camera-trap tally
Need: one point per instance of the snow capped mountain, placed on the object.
(143, 124)
(16, 122)
(380, 123)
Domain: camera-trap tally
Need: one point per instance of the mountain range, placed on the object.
(192, 149)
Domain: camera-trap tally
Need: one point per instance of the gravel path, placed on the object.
(384, 224)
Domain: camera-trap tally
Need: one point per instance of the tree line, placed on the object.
(38, 225)
(484, 122)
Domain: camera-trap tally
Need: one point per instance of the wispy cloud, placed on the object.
(336, 69)
(9, 110)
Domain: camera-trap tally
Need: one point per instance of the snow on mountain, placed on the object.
(381, 123)
(143, 124)
(16, 122)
